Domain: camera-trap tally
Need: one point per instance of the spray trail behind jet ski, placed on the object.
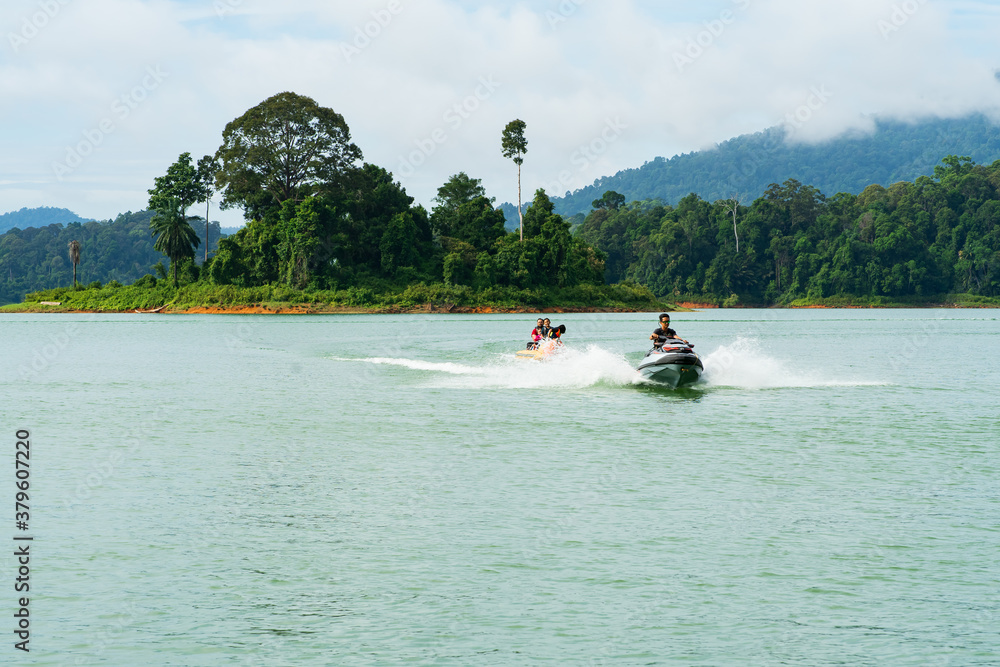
(569, 369)
(742, 364)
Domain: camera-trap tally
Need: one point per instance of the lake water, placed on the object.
(390, 490)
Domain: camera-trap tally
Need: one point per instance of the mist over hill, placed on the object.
(748, 164)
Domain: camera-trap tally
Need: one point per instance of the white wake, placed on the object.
(743, 364)
(571, 368)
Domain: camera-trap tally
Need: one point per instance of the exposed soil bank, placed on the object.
(321, 309)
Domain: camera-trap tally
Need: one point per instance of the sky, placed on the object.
(99, 97)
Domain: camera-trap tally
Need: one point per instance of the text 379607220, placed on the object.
(22, 543)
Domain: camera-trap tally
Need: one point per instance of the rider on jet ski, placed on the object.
(665, 333)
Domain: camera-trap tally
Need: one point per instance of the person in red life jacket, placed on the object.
(665, 333)
(537, 334)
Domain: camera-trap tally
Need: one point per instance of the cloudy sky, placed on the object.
(99, 96)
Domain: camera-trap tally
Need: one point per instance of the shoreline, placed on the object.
(207, 299)
(259, 309)
(450, 309)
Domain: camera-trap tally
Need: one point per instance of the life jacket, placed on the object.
(663, 335)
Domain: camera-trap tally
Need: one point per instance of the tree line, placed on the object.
(933, 236)
(118, 251)
(320, 218)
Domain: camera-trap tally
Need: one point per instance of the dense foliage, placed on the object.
(121, 250)
(748, 164)
(325, 226)
(149, 293)
(930, 237)
(318, 220)
(38, 257)
(371, 235)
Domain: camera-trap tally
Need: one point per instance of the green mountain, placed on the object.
(748, 164)
(38, 217)
(936, 235)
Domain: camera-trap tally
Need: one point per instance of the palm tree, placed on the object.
(175, 237)
(74, 256)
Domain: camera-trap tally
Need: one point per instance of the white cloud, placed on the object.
(668, 76)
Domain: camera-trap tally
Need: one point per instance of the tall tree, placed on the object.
(175, 237)
(283, 148)
(732, 206)
(180, 186)
(74, 256)
(514, 146)
(208, 167)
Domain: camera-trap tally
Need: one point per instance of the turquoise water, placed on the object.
(387, 490)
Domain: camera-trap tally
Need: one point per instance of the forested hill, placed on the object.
(38, 217)
(937, 235)
(121, 250)
(750, 163)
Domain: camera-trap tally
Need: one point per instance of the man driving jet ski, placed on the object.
(665, 333)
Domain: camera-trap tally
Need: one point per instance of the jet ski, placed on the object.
(675, 364)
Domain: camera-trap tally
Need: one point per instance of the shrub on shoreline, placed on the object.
(148, 293)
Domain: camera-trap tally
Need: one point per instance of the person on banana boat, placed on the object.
(537, 334)
(551, 332)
